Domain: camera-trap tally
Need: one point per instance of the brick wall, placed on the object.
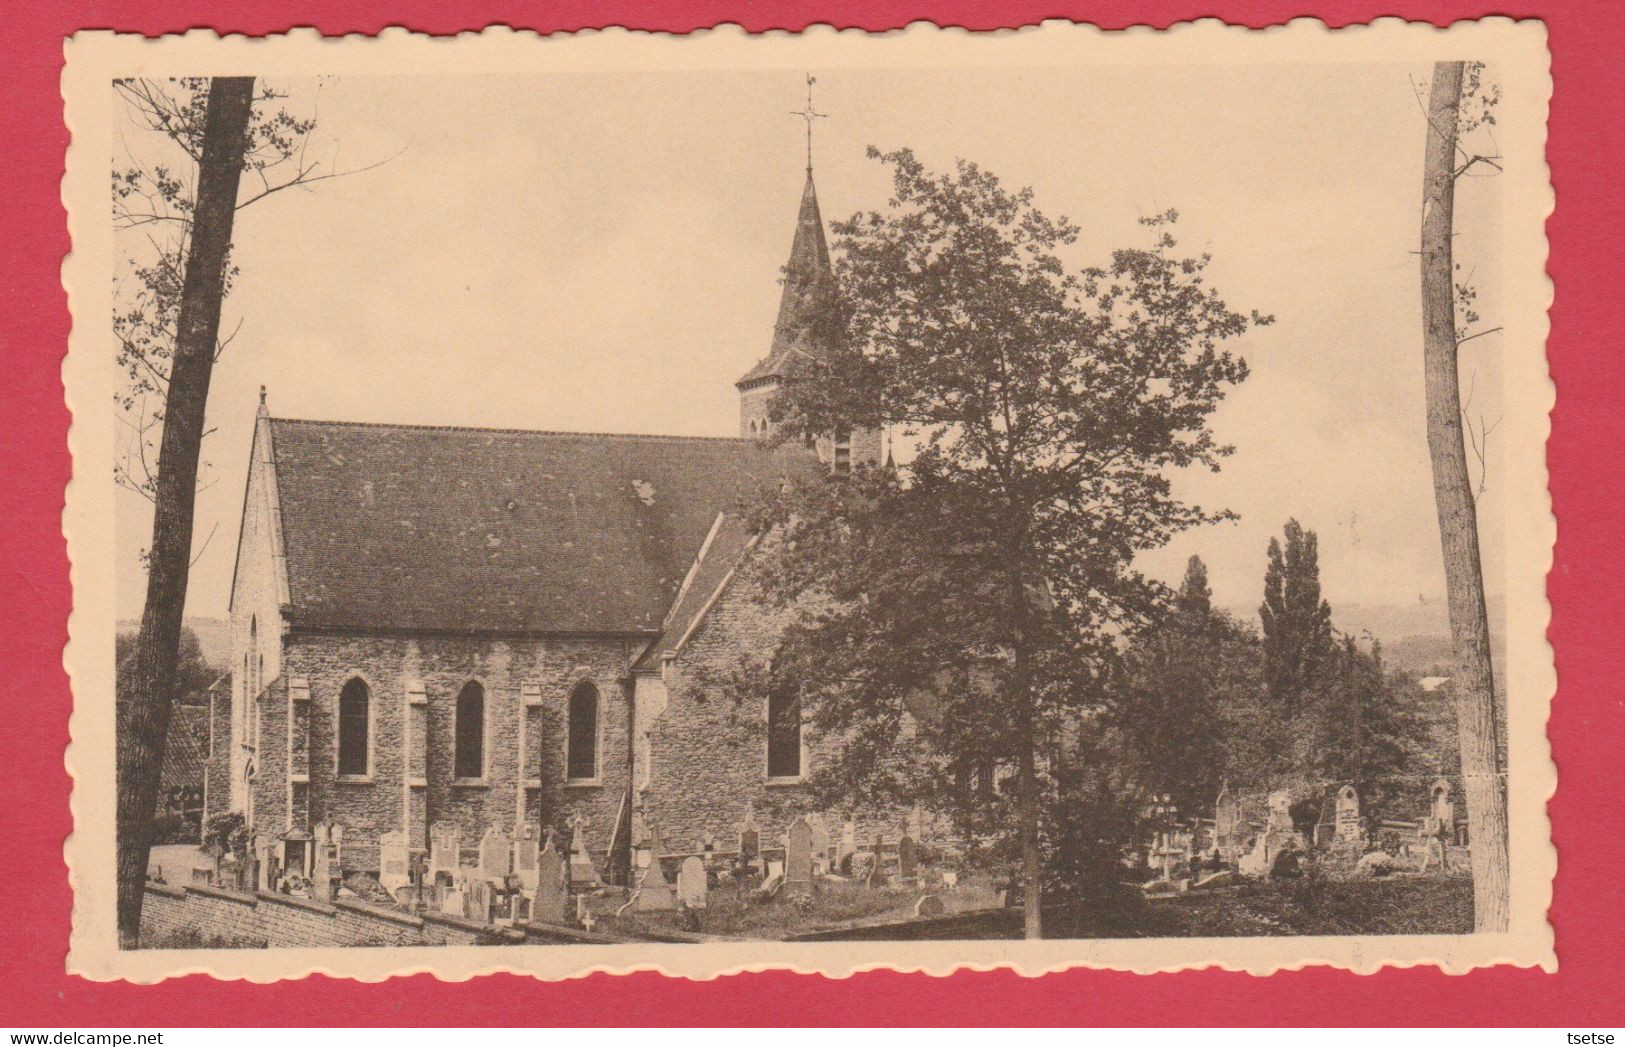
(441, 666)
(207, 917)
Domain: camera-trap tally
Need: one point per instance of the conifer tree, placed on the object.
(1297, 622)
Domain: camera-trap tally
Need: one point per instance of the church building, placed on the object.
(510, 628)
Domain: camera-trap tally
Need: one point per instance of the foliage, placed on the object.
(1297, 622)
(193, 674)
(974, 596)
(228, 832)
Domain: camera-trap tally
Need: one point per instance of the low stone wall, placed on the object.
(198, 916)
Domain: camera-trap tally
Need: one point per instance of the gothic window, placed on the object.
(783, 733)
(843, 452)
(581, 762)
(354, 710)
(470, 730)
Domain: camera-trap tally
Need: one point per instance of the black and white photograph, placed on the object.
(1043, 499)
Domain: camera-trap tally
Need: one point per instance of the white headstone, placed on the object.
(393, 869)
(691, 885)
(445, 849)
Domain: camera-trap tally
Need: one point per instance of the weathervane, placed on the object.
(809, 114)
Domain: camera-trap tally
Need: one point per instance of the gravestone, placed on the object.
(392, 861)
(496, 855)
(476, 900)
(820, 847)
(798, 857)
(445, 849)
(654, 893)
(552, 898)
(750, 840)
(264, 875)
(1227, 824)
(1326, 823)
(524, 859)
(929, 905)
(1443, 805)
(876, 875)
(324, 867)
(582, 870)
(1348, 813)
(691, 883)
(847, 848)
(908, 861)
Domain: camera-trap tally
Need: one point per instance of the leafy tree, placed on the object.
(993, 573)
(1297, 622)
(193, 673)
(1181, 674)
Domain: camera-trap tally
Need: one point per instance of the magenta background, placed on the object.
(1588, 718)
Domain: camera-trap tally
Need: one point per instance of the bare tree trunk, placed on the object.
(1474, 682)
(1032, 873)
(143, 718)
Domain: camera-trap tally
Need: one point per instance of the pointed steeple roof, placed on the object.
(806, 273)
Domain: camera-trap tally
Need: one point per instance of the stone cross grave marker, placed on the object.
(908, 860)
(524, 858)
(1348, 813)
(654, 892)
(582, 869)
(445, 849)
(798, 857)
(326, 865)
(691, 884)
(393, 871)
(552, 899)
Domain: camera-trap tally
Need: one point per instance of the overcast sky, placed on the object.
(602, 254)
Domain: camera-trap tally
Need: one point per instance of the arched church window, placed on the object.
(783, 733)
(470, 732)
(355, 708)
(581, 761)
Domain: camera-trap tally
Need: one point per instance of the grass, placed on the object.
(1395, 905)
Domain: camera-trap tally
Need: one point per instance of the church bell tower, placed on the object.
(797, 336)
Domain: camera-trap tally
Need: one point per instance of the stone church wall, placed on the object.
(441, 665)
(707, 752)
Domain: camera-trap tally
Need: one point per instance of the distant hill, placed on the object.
(1415, 637)
(213, 637)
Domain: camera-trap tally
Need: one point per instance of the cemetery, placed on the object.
(1287, 862)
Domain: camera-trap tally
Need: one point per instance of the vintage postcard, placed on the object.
(828, 501)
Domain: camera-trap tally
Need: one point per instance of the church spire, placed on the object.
(809, 280)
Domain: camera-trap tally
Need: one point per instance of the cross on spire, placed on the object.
(809, 114)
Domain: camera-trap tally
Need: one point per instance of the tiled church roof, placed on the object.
(486, 530)
(185, 747)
